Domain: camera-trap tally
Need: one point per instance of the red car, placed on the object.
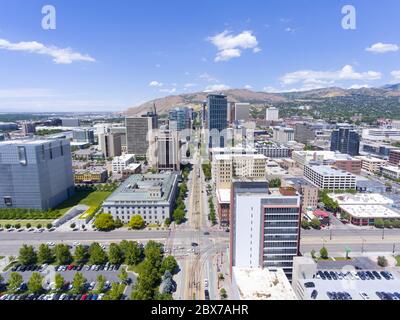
(84, 297)
(70, 267)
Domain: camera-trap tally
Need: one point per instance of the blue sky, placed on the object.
(124, 52)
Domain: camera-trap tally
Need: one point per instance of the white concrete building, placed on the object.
(371, 164)
(261, 284)
(272, 114)
(226, 167)
(380, 134)
(121, 163)
(283, 134)
(303, 158)
(264, 226)
(326, 177)
(391, 172)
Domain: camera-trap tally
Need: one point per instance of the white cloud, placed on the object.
(248, 87)
(383, 48)
(190, 85)
(396, 74)
(173, 90)
(359, 86)
(155, 84)
(230, 46)
(324, 78)
(208, 77)
(60, 56)
(216, 87)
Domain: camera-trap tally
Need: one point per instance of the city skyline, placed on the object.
(187, 47)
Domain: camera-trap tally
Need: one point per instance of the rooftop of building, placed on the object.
(224, 195)
(392, 168)
(233, 155)
(360, 199)
(299, 182)
(124, 158)
(370, 159)
(330, 171)
(371, 211)
(94, 170)
(28, 141)
(262, 284)
(144, 187)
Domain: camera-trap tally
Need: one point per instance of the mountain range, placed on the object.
(387, 95)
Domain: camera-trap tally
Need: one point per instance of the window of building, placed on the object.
(22, 156)
(8, 201)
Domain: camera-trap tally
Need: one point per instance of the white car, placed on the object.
(206, 283)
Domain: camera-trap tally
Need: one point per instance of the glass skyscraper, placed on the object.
(217, 118)
(345, 140)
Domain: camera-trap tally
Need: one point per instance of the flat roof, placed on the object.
(229, 156)
(224, 195)
(360, 199)
(391, 168)
(329, 171)
(262, 284)
(370, 211)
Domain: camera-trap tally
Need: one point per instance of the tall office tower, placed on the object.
(28, 128)
(283, 134)
(166, 152)
(138, 132)
(217, 118)
(179, 119)
(154, 117)
(110, 144)
(204, 113)
(242, 112)
(83, 135)
(35, 174)
(265, 226)
(345, 140)
(272, 114)
(306, 132)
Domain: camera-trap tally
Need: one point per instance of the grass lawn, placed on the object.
(398, 261)
(89, 198)
(342, 259)
(137, 269)
(23, 223)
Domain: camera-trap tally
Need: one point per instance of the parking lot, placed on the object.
(90, 273)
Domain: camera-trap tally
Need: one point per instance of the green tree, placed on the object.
(223, 294)
(137, 222)
(35, 283)
(96, 254)
(163, 296)
(15, 281)
(379, 223)
(123, 276)
(323, 253)
(27, 255)
(28, 225)
(104, 222)
(132, 252)
(316, 224)
(167, 222)
(169, 264)
(63, 255)
(80, 254)
(382, 262)
(305, 224)
(79, 283)
(45, 254)
(59, 282)
(118, 223)
(101, 282)
(275, 183)
(387, 223)
(116, 292)
(115, 254)
(179, 215)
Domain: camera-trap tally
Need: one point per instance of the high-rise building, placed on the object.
(345, 140)
(306, 132)
(394, 157)
(35, 174)
(138, 132)
(83, 135)
(272, 114)
(217, 118)
(28, 128)
(265, 226)
(179, 119)
(283, 134)
(242, 111)
(166, 152)
(110, 144)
